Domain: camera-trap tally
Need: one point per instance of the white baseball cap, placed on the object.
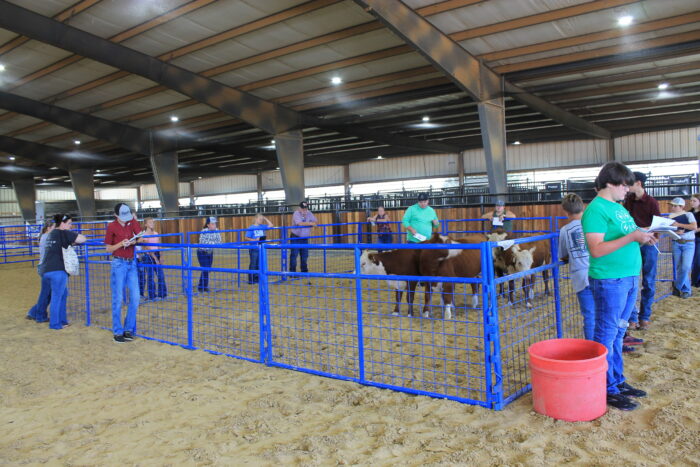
(212, 220)
(125, 213)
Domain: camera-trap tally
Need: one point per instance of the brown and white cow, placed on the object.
(403, 262)
(451, 263)
(523, 257)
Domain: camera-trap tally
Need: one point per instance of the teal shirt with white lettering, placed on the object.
(420, 219)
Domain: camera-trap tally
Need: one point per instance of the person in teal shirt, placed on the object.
(613, 240)
(419, 220)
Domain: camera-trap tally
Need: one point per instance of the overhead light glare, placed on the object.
(380, 157)
(517, 143)
(174, 118)
(625, 20)
(272, 141)
(336, 80)
(426, 119)
(2, 67)
(663, 86)
(12, 158)
(199, 178)
(76, 142)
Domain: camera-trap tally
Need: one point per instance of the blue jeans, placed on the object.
(385, 237)
(254, 255)
(59, 295)
(587, 306)
(205, 261)
(38, 311)
(146, 277)
(614, 302)
(695, 274)
(302, 252)
(649, 257)
(682, 262)
(124, 274)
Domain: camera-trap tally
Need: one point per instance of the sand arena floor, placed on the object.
(73, 397)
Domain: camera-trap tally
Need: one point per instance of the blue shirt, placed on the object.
(256, 231)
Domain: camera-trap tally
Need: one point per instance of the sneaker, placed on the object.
(621, 402)
(31, 318)
(629, 391)
(627, 349)
(685, 295)
(119, 339)
(675, 292)
(644, 325)
(629, 340)
(128, 336)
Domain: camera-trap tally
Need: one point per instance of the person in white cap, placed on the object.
(120, 238)
(683, 248)
(205, 256)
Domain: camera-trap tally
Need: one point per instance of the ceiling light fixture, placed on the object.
(336, 80)
(517, 142)
(426, 119)
(380, 157)
(272, 141)
(76, 142)
(2, 67)
(625, 20)
(663, 86)
(199, 178)
(174, 119)
(12, 158)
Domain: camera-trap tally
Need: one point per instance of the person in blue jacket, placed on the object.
(256, 232)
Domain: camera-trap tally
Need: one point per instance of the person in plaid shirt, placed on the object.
(205, 256)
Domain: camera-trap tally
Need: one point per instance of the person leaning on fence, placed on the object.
(38, 311)
(695, 270)
(54, 267)
(205, 256)
(572, 249)
(120, 241)
(149, 255)
(303, 221)
(500, 217)
(256, 232)
(643, 207)
(420, 220)
(381, 220)
(613, 241)
(683, 248)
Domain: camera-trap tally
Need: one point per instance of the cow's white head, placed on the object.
(523, 259)
(370, 264)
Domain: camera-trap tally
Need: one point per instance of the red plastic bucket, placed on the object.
(568, 379)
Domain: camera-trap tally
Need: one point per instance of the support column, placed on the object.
(25, 191)
(259, 185)
(191, 194)
(290, 157)
(492, 117)
(346, 180)
(460, 171)
(165, 172)
(84, 190)
(611, 151)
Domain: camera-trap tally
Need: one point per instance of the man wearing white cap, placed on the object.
(500, 217)
(684, 248)
(122, 234)
(205, 256)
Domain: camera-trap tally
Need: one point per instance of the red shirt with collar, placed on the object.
(116, 233)
(642, 209)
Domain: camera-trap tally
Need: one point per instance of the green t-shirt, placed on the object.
(613, 220)
(420, 219)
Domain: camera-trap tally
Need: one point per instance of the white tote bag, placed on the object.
(70, 261)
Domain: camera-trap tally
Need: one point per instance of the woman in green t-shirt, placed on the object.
(613, 241)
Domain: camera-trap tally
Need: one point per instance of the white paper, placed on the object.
(497, 221)
(419, 237)
(659, 224)
(505, 244)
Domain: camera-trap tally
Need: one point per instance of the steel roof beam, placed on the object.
(50, 155)
(465, 70)
(265, 115)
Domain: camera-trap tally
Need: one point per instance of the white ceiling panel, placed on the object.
(186, 112)
(29, 58)
(108, 18)
(44, 7)
(113, 90)
(142, 105)
(17, 121)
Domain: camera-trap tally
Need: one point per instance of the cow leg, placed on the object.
(545, 276)
(475, 295)
(410, 293)
(447, 297)
(397, 306)
(511, 292)
(529, 292)
(428, 298)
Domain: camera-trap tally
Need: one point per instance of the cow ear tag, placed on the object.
(505, 244)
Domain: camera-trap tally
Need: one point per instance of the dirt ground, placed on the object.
(73, 397)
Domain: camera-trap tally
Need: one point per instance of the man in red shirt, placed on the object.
(642, 207)
(120, 239)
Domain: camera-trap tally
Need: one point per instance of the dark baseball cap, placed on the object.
(423, 197)
(304, 205)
